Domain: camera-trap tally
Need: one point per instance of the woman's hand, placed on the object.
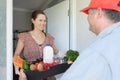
(17, 70)
(22, 75)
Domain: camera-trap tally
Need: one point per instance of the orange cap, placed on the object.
(105, 4)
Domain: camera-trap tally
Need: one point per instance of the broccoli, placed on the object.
(71, 55)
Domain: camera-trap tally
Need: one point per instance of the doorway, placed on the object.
(58, 22)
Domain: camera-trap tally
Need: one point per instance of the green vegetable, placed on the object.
(71, 55)
(26, 65)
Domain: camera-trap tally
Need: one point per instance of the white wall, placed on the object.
(58, 24)
(84, 36)
(80, 36)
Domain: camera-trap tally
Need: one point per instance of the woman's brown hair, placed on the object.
(35, 14)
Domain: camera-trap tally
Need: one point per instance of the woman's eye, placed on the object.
(44, 20)
(40, 20)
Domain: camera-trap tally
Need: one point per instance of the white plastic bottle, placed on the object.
(48, 54)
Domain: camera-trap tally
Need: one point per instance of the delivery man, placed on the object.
(101, 59)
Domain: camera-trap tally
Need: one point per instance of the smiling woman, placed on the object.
(59, 15)
(33, 42)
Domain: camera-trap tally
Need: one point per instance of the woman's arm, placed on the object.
(54, 48)
(18, 50)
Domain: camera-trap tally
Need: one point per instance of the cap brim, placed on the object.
(85, 10)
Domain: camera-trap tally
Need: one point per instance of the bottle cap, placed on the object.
(47, 44)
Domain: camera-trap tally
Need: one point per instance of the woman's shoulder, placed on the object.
(49, 35)
(23, 34)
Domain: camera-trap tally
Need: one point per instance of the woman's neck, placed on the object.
(36, 32)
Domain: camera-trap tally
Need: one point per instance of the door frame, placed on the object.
(9, 40)
(9, 34)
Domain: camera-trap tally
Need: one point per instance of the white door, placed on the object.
(58, 24)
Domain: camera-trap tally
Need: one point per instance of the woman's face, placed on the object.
(39, 22)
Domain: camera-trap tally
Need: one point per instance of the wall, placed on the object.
(21, 20)
(58, 24)
(84, 36)
(3, 40)
(79, 35)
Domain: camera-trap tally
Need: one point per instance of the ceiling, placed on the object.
(34, 4)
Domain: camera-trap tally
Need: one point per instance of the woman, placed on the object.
(33, 42)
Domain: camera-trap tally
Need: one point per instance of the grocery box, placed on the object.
(54, 70)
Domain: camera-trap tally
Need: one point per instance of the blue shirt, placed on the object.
(100, 60)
